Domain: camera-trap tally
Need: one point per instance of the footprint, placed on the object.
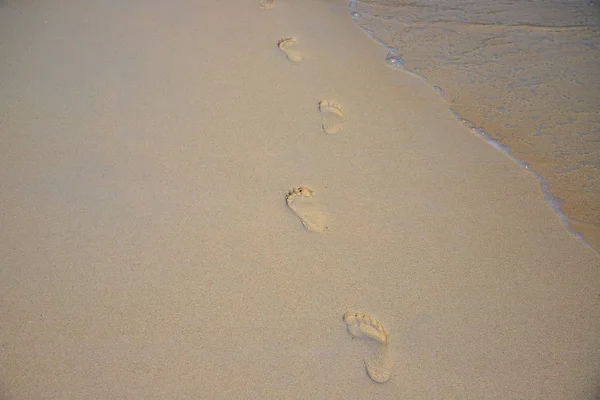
(289, 46)
(301, 201)
(378, 364)
(267, 4)
(333, 116)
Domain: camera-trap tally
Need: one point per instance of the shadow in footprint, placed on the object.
(289, 45)
(302, 202)
(378, 364)
(267, 4)
(333, 116)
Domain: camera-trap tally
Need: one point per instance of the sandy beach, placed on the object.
(195, 194)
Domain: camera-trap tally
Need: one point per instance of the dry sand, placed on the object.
(148, 252)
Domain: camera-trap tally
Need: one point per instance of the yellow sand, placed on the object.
(148, 251)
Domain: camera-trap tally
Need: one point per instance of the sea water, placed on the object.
(525, 75)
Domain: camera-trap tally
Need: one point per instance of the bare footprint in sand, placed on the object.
(333, 116)
(378, 364)
(267, 4)
(301, 201)
(289, 46)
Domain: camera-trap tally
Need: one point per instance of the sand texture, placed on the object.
(148, 250)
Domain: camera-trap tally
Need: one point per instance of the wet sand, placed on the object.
(191, 209)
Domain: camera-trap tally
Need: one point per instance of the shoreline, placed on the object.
(269, 212)
(586, 231)
(395, 61)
